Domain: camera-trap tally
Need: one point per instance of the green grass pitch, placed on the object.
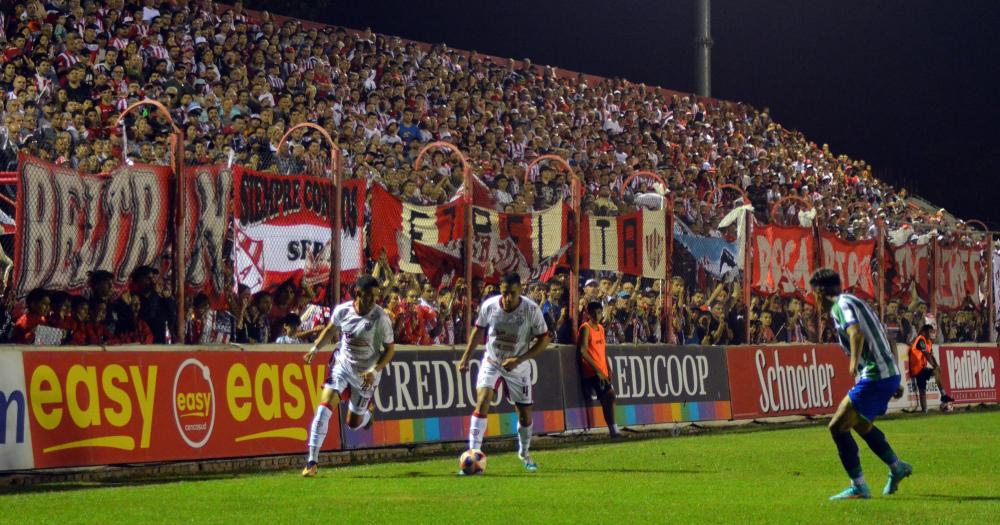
(777, 476)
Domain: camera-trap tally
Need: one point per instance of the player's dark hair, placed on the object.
(511, 279)
(365, 282)
(926, 329)
(826, 281)
(593, 307)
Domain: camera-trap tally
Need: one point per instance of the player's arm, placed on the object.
(325, 337)
(541, 341)
(463, 364)
(857, 339)
(388, 350)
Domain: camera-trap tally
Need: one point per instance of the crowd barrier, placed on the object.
(82, 407)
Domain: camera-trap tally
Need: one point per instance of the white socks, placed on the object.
(477, 431)
(523, 439)
(317, 432)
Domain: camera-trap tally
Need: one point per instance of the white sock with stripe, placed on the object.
(318, 429)
(477, 431)
(523, 439)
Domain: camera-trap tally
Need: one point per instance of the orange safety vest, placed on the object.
(918, 361)
(596, 347)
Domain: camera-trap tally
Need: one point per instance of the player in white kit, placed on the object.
(516, 332)
(366, 348)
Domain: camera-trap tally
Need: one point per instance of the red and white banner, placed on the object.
(787, 380)
(970, 372)
(911, 266)
(208, 220)
(961, 277)
(69, 224)
(852, 260)
(282, 228)
(783, 260)
(526, 243)
(103, 408)
(634, 244)
(430, 239)
(397, 225)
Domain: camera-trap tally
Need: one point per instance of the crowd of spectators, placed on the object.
(235, 83)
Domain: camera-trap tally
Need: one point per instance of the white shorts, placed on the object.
(517, 381)
(345, 380)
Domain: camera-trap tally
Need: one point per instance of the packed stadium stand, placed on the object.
(235, 81)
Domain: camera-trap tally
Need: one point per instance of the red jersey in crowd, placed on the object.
(24, 329)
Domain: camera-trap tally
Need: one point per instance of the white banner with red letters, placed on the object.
(852, 260)
(783, 260)
(960, 277)
(282, 228)
(634, 244)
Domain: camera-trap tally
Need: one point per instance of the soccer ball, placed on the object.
(472, 462)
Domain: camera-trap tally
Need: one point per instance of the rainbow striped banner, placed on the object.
(648, 414)
(454, 428)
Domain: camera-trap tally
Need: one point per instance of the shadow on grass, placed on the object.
(545, 473)
(958, 499)
(131, 482)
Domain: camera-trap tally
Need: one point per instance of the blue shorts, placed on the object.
(870, 397)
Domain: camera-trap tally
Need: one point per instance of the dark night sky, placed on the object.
(908, 85)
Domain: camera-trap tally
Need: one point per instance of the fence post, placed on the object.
(748, 272)
(668, 306)
(990, 299)
(818, 261)
(933, 281)
(180, 245)
(176, 141)
(882, 266)
(336, 221)
(576, 190)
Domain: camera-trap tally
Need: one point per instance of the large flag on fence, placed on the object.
(911, 266)
(717, 256)
(783, 260)
(282, 228)
(634, 244)
(852, 260)
(209, 223)
(70, 223)
(961, 276)
(430, 239)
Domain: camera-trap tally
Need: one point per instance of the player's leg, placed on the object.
(360, 408)
(840, 430)
(606, 394)
(318, 428)
(936, 370)
(480, 415)
(869, 400)
(486, 382)
(922, 378)
(520, 393)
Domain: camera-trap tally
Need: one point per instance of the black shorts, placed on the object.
(923, 377)
(594, 385)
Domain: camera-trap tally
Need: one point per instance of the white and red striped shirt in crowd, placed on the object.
(42, 84)
(119, 43)
(66, 60)
(157, 52)
(276, 82)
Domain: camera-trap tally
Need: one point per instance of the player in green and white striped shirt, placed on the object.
(873, 361)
